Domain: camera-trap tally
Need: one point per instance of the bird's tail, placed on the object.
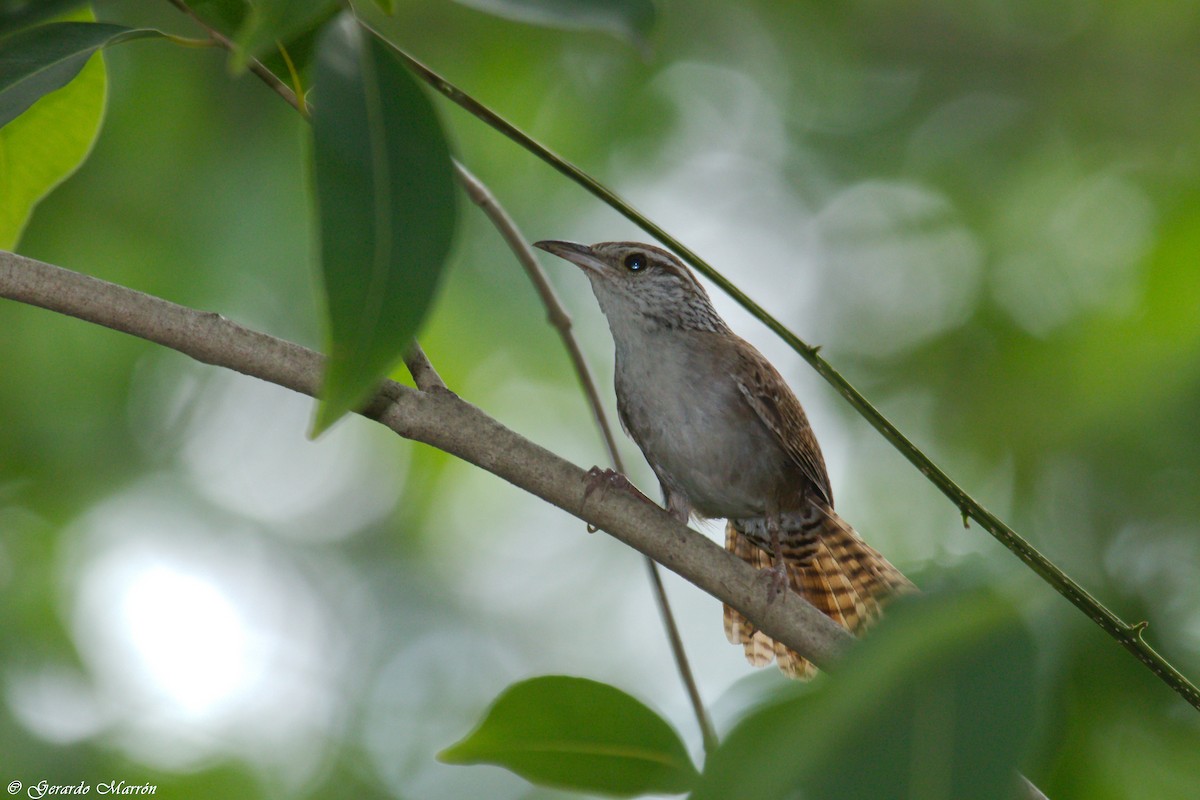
(836, 571)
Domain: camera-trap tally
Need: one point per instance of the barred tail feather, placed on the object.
(843, 577)
(759, 648)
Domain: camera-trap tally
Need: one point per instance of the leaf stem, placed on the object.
(253, 64)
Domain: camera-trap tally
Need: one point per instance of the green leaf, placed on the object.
(36, 61)
(629, 19)
(42, 147)
(386, 210)
(270, 21)
(388, 6)
(574, 733)
(937, 703)
(52, 105)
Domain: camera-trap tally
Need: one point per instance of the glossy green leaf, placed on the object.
(270, 21)
(574, 733)
(36, 61)
(52, 97)
(629, 19)
(388, 6)
(385, 210)
(42, 147)
(937, 703)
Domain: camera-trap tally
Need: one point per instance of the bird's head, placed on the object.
(640, 282)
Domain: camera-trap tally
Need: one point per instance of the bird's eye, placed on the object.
(635, 262)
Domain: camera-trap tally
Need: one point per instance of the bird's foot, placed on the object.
(602, 480)
(778, 572)
(777, 580)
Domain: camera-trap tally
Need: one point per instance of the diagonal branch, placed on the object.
(440, 419)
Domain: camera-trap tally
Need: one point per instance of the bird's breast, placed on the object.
(693, 425)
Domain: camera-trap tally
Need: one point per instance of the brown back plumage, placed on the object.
(844, 577)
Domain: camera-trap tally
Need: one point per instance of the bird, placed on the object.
(728, 439)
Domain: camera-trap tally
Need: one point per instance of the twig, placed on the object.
(419, 366)
(556, 313)
(253, 64)
(444, 421)
(1129, 636)
(561, 321)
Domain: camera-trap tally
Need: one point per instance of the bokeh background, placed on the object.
(987, 212)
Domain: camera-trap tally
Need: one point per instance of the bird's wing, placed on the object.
(780, 411)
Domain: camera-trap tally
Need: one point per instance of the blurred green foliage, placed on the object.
(938, 703)
(985, 211)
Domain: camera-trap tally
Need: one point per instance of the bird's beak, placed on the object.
(579, 254)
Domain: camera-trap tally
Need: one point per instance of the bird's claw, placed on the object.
(777, 580)
(599, 480)
(602, 480)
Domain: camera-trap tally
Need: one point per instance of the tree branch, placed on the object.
(419, 366)
(440, 419)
